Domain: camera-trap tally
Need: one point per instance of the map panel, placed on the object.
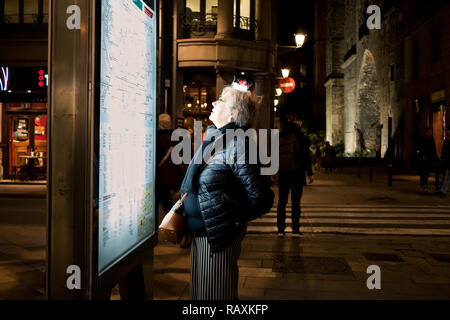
(127, 128)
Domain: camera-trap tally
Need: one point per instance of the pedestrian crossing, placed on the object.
(362, 219)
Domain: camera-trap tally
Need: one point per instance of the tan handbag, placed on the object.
(172, 226)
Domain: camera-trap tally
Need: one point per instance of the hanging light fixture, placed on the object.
(300, 39)
(285, 72)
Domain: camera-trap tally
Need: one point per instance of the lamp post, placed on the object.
(300, 39)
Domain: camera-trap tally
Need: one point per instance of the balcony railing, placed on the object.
(245, 23)
(27, 19)
(197, 25)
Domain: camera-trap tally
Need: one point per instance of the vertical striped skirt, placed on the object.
(214, 276)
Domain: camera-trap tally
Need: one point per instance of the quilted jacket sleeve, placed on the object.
(259, 194)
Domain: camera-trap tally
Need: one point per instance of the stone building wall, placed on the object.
(370, 96)
(334, 85)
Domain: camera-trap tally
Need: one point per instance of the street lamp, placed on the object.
(300, 39)
(278, 91)
(285, 72)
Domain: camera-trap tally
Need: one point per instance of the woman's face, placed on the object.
(220, 115)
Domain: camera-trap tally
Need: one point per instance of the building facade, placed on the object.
(364, 103)
(320, 55)
(24, 81)
(213, 41)
(427, 72)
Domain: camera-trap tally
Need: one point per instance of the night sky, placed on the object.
(294, 16)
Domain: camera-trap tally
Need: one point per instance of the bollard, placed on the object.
(371, 174)
(359, 167)
(436, 181)
(390, 175)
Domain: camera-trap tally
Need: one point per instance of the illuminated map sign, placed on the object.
(127, 128)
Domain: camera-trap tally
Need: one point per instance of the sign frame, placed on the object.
(128, 271)
(72, 222)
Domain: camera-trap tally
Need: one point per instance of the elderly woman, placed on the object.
(223, 196)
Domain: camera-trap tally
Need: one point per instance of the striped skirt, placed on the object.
(214, 276)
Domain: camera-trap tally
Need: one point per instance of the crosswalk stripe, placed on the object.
(360, 219)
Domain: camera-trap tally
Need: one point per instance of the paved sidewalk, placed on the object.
(345, 188)
(316, 266)
(322, 267)
(327, 266)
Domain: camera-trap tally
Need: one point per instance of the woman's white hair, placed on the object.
(242, 102)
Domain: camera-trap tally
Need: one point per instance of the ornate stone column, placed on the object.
(225, 19)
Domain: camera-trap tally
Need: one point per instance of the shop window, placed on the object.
(198, 104)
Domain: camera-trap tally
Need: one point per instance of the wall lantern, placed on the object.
(300, 39)
(285, 72)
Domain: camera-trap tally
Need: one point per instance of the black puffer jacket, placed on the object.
(231, 193)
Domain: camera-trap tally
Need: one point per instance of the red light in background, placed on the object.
(41, 78)
(41, 72)
(41, 84)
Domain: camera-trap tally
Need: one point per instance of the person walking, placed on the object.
(294, 160)
(329, 157)
(427, 157)
(445, 162)
(318, 158)
(168, 175)
(223, 196)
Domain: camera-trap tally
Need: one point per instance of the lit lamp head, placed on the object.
(285, 72)
(300, 39)
(278, 92)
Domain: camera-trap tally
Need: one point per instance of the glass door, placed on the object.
(19, 144)
(27, 146)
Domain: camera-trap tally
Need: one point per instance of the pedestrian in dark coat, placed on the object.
(168, 175)
(222, 197)
(292, 175)
(329, 158)
(427, 157)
